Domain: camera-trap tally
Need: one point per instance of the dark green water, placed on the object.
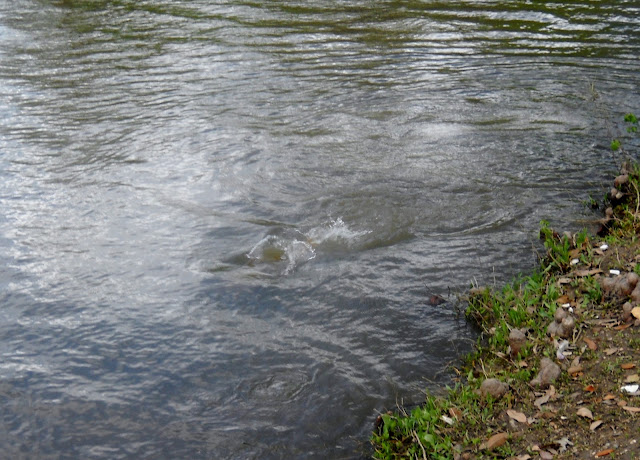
(221, 222)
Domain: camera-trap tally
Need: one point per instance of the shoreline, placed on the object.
(555, 372)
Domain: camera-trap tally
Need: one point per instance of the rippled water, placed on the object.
(221, 222)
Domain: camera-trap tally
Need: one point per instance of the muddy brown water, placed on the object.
(222, 222)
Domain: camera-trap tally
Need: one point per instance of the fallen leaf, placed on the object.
(609, 397)
(575, 253)
(542, 400)
(564, 280)
(611, 351)
(595, 425)
(636, 312)
(593, 271)
(563, 300)
(517, 416)
(632, 409)
(632, 378)
(604, 453)
(590, 343)
(522, 364)
(584, 412)
(574, 369)
(622, 327)
(544, 455)
(455, 413)
(627, 366)
(590, 388)
(523, 457)
(496, 441)
(564, 443)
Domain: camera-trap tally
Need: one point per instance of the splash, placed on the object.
(337, 231)
(289, 248)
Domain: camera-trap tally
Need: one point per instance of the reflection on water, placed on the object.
(221, 223)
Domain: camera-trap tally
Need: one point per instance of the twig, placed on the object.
(424, 452)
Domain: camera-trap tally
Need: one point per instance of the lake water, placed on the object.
(221, 222)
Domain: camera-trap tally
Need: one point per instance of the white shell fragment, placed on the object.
(575, 261)
(614, 272)
(630, 388)
(447, 420)
(604, 247)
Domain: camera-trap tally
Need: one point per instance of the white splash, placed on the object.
(294, 247)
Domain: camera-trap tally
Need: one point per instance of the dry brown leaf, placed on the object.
(563, 300)
(590, 388)
(574, 369)
(609, 397)
(595, 425)
(590, 343)
(544, 455)
(517, 416)
(611, 351)
(496, 441)
(622, 327)
(636, 312)
(627, 366)
(632, 409)
(586, 413)
(542, 400)
(604, 453)
(593, 271)
(523, 457)
(564, 280)
(633, 378)
(455, 413)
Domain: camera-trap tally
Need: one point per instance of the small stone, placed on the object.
(517, 339)
(608, 285)
(635, 295)
(566, 328)
(626, 311)
(621, 180)
(560, 315)
(549, 372)
(494, 388)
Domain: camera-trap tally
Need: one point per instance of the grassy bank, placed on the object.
(554, 373)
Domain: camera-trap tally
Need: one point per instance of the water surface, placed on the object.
(222, 221)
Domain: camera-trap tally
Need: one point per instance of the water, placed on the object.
(222, 222)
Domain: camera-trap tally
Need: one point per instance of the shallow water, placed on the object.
(221, 223)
